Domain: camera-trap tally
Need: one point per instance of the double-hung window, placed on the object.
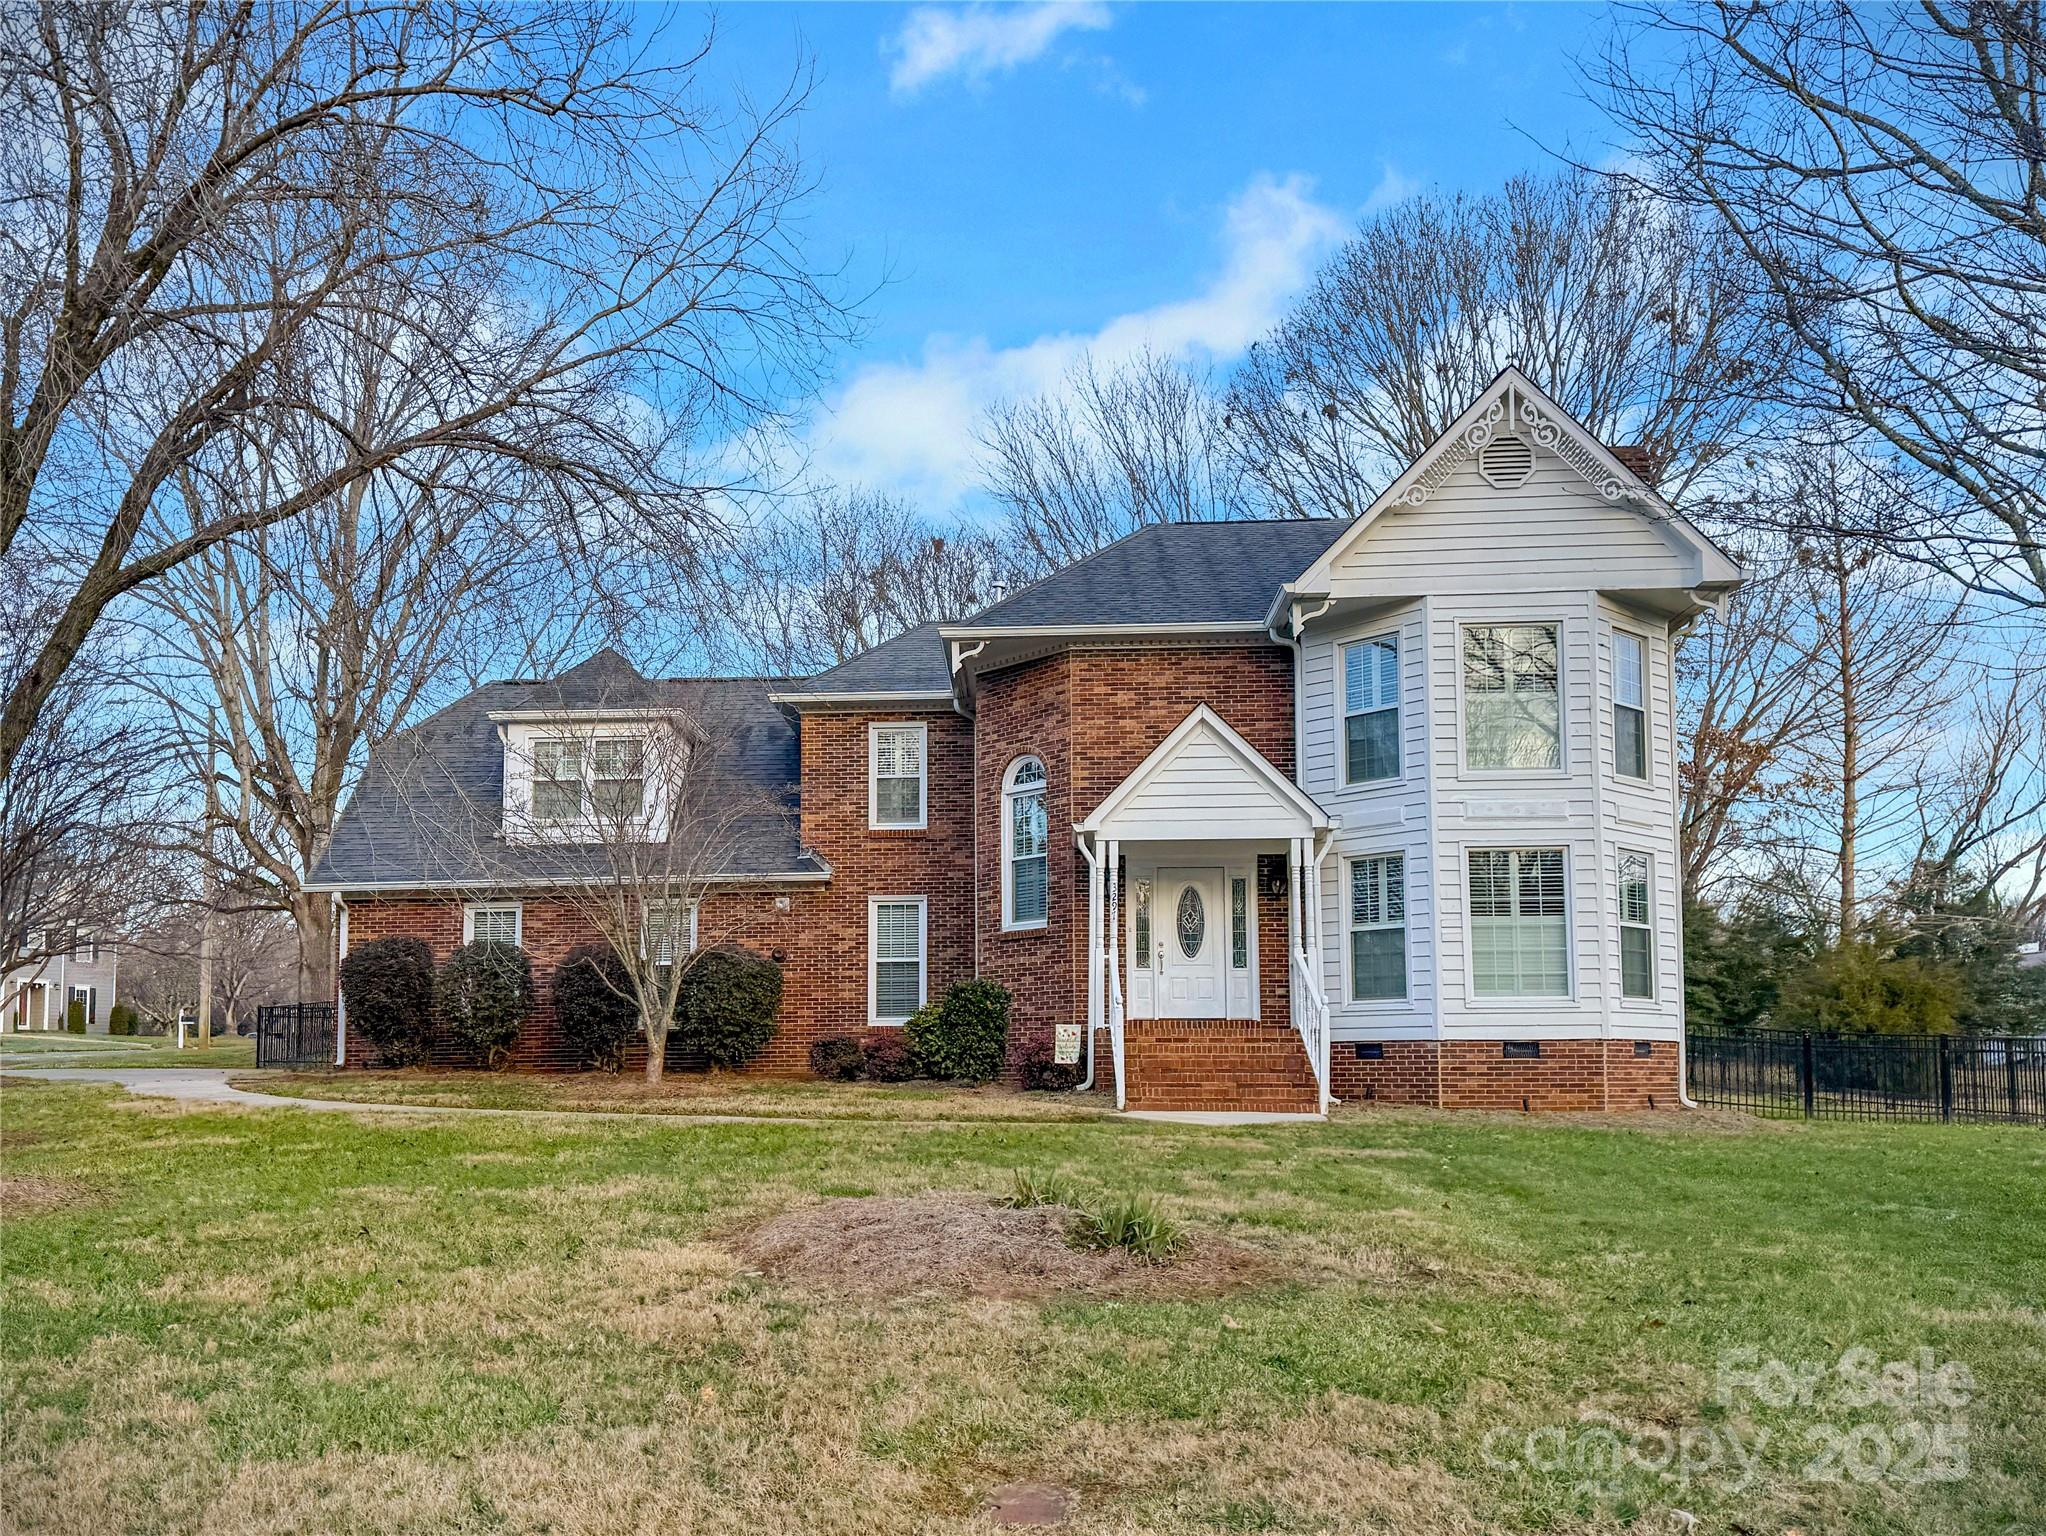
(617, 777)
(1520, 940)
(496, 922)
(85, 947)
(1378, 928)
(1371, 710)
(1026, 846)
(558, 779)
(895, 958)
(896, 763)
(1637, 927)
(1511, 714)
(667, 930)
(1630, 705)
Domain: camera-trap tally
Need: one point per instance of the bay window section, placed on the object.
(1637, 928)
(1371, 710)
(1512, 718)
(1520, 940)
(1378, 928)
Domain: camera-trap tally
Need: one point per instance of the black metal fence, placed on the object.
(295, 1035)
(1871, 1077)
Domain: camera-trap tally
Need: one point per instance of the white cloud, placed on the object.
(1393, 187)
(979, 40)
(908, 427)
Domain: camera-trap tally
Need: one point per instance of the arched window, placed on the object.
(1026, 842)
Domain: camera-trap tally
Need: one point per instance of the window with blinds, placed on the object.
(557, 780)
(1378, 928)
(1371, 710)
(666, 931)
(1520, 941)
(497, 925)
(896, 947)
(1637, 927)
(1630, 705)
(617, 777)
(1511, 713)
(1026, 846)
(896, 772)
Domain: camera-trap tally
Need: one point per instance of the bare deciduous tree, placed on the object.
(1884, 170)
(200, 197)
(1114, 448)
(1630, 312)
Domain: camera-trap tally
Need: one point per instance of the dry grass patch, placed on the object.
(26, 1193)
(944, 1243)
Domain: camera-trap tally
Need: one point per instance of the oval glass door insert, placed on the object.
(1193, 922)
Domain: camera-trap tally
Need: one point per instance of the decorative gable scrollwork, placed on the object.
(1545, 429)
(1444, 464)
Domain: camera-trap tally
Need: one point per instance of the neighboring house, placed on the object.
(1381, 808)
(38, 997)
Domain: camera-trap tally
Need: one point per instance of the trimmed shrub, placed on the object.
(888, 1059)
(1042, 1072)
(120, 1020)
(837, 1057)
(593, 1002)
(74, 1016)
(964, 1039)
(389, 986)
(727, 1006)
(485, 992)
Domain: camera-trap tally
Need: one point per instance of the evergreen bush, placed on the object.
(388, 984)
(485, 994)
(594, 1005)
(727, 1007)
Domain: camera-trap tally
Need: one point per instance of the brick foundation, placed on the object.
(1477, 1074)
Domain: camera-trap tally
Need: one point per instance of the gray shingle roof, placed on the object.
(913, 662)
(429, 810)
(1171, 573)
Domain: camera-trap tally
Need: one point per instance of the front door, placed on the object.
(1189, 926)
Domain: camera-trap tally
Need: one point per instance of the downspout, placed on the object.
(1086, 1083)
(340, 1001)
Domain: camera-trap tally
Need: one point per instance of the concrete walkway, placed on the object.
(209, 1085)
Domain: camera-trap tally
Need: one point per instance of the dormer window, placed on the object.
(617, 777)
(558, 780)
(580, 777)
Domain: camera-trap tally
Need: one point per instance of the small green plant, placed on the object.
(74, 1017)
(1137, 1224)
(120, 1020)
(964, 1038)
(1030, 1189)
(888, 1059)
(1042, 1072)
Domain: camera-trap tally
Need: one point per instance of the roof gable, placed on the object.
(1204, 780)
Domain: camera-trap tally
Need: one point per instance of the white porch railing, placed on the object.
(1310, 1019)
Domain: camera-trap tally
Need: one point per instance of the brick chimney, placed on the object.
(1640, 461)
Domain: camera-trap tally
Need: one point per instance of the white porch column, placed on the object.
(1298, 863)
(1111, 874)
(1095, 957)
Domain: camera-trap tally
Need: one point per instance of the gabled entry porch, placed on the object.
(1202, 870)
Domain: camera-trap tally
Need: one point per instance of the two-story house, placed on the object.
(39, 997)
(1249, 814)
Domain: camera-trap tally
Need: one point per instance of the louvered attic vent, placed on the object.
(1506, 462)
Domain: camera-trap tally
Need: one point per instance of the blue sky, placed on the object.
(1035, 180)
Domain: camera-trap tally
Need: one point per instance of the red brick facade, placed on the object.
(1091, 715)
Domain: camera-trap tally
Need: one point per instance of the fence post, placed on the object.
(1805, 1072)
(2010, 1075)
(1946, 1078)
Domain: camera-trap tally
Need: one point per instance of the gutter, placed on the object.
(545, 882)
(1086, 1084)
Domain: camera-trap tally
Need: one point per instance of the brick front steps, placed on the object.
(1216, 1064)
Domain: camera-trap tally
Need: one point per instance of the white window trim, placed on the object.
(1652, 999)
(1397, 636)
(923, 948)
(1010, 793)
(923, 783)
(1476, 1003)
(1518, 775)
(471, 908)
(1647, 690)
(691, 940)
(84, 947)
(1405, 1001)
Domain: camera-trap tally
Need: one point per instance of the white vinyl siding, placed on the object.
(498, 922)
(1512, 716)
(1520, 923)
(1630, 705)
(895, 958)
(1637, 926)
(1026, 847)
(897, 769)
(1378, 928)
(1371, 710)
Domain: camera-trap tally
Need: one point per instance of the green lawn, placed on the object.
(230, 1051)
(273, 1321)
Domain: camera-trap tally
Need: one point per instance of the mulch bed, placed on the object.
(951, 1244)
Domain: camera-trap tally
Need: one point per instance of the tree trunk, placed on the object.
(312, 913)
(1850, 752)
(656, 1052)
